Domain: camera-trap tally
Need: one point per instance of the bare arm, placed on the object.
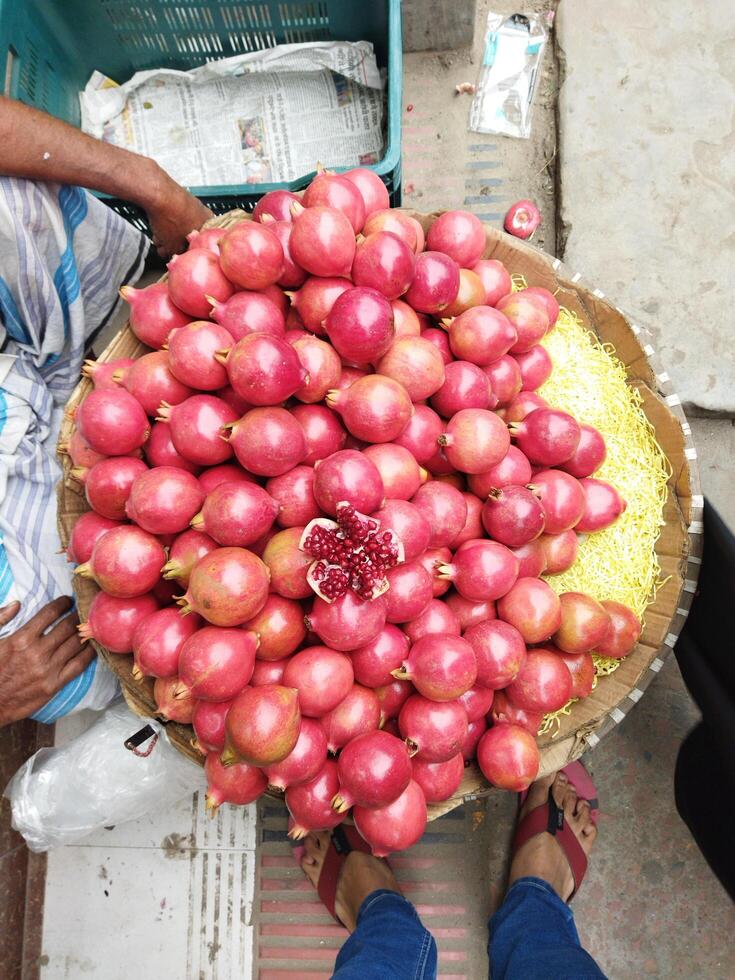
(37, 146)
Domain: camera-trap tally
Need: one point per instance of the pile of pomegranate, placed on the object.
(323, 505)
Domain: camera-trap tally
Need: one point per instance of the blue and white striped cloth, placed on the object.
(63, 257)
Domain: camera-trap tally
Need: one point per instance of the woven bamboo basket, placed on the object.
(678, 546)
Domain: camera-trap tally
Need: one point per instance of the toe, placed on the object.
(559, 788)
(569, 803)
(538, 793)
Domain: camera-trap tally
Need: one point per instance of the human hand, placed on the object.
(173, 213)
(34, 665)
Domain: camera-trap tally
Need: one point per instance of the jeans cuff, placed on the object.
(379, 895)
(521, 884)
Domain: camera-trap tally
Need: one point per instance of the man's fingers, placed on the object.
(73, 667)
(65, 628)
(67, 651)
(48, 615)
(9, 612)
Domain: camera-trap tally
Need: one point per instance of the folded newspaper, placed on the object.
(254, 118)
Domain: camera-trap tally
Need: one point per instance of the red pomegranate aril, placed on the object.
(250, 256)
(216, 664)
(542, 684)
(533, 608)
(305, 760)
(505, 380)
(584, 623)
(481, 570)
(436, 618)
(495, 278)
(589, 454)
(262, 725)
(623, 631)
(435, 731)
(465, 386)
(513, 516)
(227, 587)
(349, 476)
(193, 277)
(198, 428)
(152, 313)
(113, 620)
(459, 234)
(470, 612)
(499, 651)
(547, 436)
(603, 505)
(508, 757)
(322, 676)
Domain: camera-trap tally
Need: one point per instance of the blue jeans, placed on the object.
(532, 937)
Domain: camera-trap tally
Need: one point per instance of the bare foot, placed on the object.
(542, 856)
(361, 874)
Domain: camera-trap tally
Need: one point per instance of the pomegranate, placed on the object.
(542, 684)
(150, 381)
(589, 454)
(441, 666)
(125, 562)
(392, 697)
(499, 652)
(374, 769)
(85, 534)
(372, 189)
(505, 380)
(470, 612)
(603, 505)
(216, 664)
(495, 278)
(546, 435)
(305, 760)
(293, 275)
(197, 428)
(504, 711)
(514, 516)
(531, 559)
(562, 498)
(401, 225)
(224, 473)
(406, 321)
(322, 677)
(152, 313)
(480, 335)
(435, 283)
(107, 374)
(164, 500)
(508, 757)
(112, 422)
(268, 441)
(322, 240)
(262, 725)
(240, 783)
(173, 702)
(535, 367)
(322, 365)
(248, 312)
(559, 551)
(533, 608)
(436, 618)
(481, 570)
(310, 803)
(458, 234)
(584, 623)
(471, 293)
(474, 440)
(513, 468)
(184, 553)
(279, 627)
(206, 238)
(208, 722)
(107, 484)
(473, 522)
(547, 298)
(348, 622)
(476, 701)
(194, 277)
(399, 471)
(227, 587)
(293, 493)
(416, 363)
(360, 325)
(465, 386)
(348, 476)
(408, 524)
(316, 298)
(622, 633)
(357, 713)
(439, 339)
(268, 672)
(438, 780)
(444, 508)
(323, 431)
(385, 263)
(433, 730)
(160, 450)
(529, 317)
(79, 451)
(395, 826)
(421, 433)
(264, 370)
(522, 405)
(250, 256)
(288, 564)
(409, 592)
(277, 204)
(580, 666)
(331, 190)
(374, 662)
(522, 219)
(113, 620)
(236, 514)
(157, 642)
(475, 731)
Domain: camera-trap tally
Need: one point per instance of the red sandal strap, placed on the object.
(343, 839)
(548, 818)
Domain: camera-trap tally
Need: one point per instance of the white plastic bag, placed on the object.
(61, 795)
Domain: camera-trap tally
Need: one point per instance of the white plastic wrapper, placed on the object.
(514, 47)
(61, 795)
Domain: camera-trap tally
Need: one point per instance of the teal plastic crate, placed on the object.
(52, 46)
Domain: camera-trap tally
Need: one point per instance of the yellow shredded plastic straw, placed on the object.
(620, 563)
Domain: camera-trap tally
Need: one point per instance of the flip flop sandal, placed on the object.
(549, 818)
(342, 840)
(581, 780)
